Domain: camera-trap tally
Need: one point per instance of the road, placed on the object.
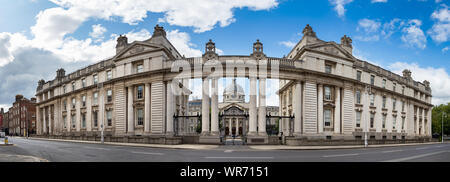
(56, 151)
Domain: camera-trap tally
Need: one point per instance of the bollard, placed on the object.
(6, 140)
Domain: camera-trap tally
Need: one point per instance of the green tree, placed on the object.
(436, 118)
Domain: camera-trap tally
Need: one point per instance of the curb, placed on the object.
(284, 147)
(182, 146)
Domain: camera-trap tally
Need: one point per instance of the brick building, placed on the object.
(22, 116)
(1, 119)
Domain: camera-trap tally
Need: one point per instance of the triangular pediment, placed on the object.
(331, 48)
(137, 48)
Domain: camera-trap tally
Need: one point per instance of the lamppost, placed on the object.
(442, 127)
(368, 93)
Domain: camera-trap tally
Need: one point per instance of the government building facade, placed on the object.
(327, 96)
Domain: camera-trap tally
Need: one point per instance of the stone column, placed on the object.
(252, 109)
(417, 121)
(215, 107)
(170, 108)
(320, 108)
(297, 106)
(130, 110)
(337, 111)
(205, 107)
(50, 128)
(147, 108)
(45, 121)
(237, 126)
(230, 122)
(262, 108)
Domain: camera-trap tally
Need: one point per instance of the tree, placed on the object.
(436, 118)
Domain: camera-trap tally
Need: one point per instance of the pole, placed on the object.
(442, 128)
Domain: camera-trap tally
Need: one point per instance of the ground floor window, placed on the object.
(140, 116)
(394, 122)
(95, 118)
(372, 120)
(403, 123)
(83, 120)
(65, 121)
(109, 117)
(358, 119)
(384, 121)
(327, 118)
(73, 121)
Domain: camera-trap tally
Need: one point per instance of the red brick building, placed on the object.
(1, 119)
(22, 116)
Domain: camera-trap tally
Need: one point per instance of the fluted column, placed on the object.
(297, 106)
(170, 108)
(50, 129)
(230, 123)
(147, 108)
(252, 108)
(45, 121)
(130, 110)
(205, 107)
(320, 108)
(215, 107)
(337, 111)
(262, 108)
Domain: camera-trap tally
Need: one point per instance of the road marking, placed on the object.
(421, 148)
(147, 153)
(390, 151)
(414, 157)
(239, 157)
(97, 148)
(340, 155)
(228, 151)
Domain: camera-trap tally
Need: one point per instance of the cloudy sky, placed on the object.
(39, 36)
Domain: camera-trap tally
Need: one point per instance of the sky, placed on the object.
(39, 36)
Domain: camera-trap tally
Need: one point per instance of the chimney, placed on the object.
(122, 43)
(346, 43)
(159, 31)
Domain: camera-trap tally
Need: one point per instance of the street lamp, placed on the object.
(442, 127)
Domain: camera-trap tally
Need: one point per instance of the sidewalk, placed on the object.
(20, 158)
(181, 146)
(2, 142)
(287, 147)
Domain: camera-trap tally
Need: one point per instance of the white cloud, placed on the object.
(339, 6)
(445, 49)
(203, 15)
(98, 32)
(378, 1)
(413, 36)
(439, 79)
(440, 32)
(181, 40)
(288, 44)
(368, 25)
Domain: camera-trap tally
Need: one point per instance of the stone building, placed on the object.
(22, 116)
(141, 95)
(345, 97)
(2, 112)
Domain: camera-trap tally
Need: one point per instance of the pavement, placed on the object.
(62, 151)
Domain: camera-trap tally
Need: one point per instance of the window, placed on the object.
(372, 99)
(372, 79)
(384, 101)
(109, 117)
(95, 98)
(327, 93)
(358, 119)
(73, 121)
(327, 68)
(403, 123)
(393, 86)
(64, 89)
(327, 117)
(372, 119)
(73, 86)
(394, 102)
(394, 122)
(403, 90)
(139, 68)
(83, 120)
(384, 83)
(384, 121)
(65, 121)
(140, 92)
(403, 106)
(83, 83)
(83, 99)
(95, 118)
(73, 103)
(109, 95)
(358, 75)
(358, 97)
(65, 105)
(95, 79)
(140, 117)
(109, 75)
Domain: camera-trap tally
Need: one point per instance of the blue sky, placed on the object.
(413, 34)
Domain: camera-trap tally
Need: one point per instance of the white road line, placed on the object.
(147, 153)
(239, 157)
(390, 151)
(228, 151)
(97, 148)
(421, 148)
(414, 157)
(340, 155)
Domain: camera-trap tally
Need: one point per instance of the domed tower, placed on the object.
(234, 93)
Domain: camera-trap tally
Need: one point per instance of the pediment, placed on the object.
(332, 49)
(136, 48)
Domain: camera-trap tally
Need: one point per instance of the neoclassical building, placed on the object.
(140, 95)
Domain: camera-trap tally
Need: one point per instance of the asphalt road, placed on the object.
(55, 151)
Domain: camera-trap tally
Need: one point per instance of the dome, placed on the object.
(234, 93)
